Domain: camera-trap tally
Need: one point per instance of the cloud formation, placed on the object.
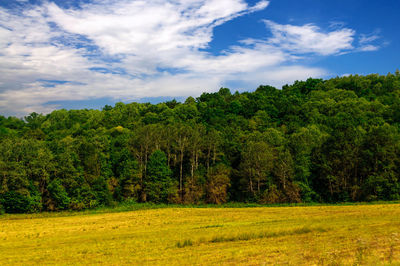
(310, 39)
(128, 50)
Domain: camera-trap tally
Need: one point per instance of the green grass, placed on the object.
(250, 236)
(135, 206)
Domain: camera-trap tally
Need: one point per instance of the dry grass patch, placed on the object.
(324, 235)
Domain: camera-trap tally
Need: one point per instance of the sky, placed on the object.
(78, 54)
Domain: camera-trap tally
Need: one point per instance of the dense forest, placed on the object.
(318, 140)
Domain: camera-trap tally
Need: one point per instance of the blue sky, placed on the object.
(85, 54)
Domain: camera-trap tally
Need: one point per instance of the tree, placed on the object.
(182, 138)
(59, 199)
(315, 140)
(283, 171)
(17, 202)
(257, 163)
(142, 145)
(159, 185)
(193, 189)
(217, 185)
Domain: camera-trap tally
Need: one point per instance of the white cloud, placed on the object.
(369, 48)
(127, 50)
(365, 39)
(156, 26)
(368, 42)
(310, 39)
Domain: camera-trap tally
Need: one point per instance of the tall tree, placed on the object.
(160, 187)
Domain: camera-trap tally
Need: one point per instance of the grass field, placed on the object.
(328, 235)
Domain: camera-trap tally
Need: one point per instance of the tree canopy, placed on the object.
(316, 140)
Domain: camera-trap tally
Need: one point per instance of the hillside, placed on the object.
(314, 141)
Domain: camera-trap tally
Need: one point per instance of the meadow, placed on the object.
(323, 235)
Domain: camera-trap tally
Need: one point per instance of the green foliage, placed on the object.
(317, 140)
(16, 202)
(159, 184)
(58, 195)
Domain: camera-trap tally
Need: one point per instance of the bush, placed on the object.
(217, 185)
(307, 193)
(193, 191)
(15, 202)
(58, 195)
(271, 195)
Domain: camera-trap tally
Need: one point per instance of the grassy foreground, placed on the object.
(360, 234)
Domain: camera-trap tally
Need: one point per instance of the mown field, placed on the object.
(364, 234)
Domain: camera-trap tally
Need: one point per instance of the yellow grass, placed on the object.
(328, 235)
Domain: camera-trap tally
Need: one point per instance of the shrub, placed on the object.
(217, 185)
(58, 195)
(16, 202)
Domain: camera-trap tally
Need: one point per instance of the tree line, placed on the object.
(317, 140)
